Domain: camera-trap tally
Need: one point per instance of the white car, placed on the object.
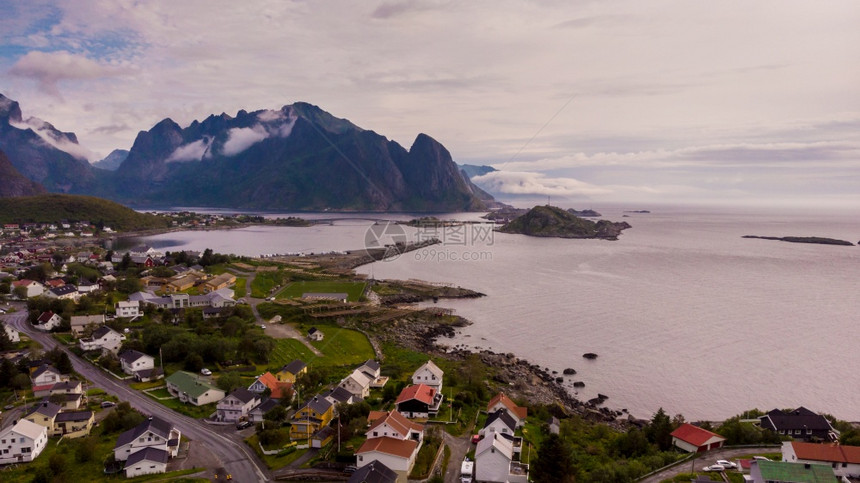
(714, 468)
(205, 372)
(727, 464)
(262, 326)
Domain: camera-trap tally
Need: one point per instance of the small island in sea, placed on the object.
(804, 239)
(551, 221)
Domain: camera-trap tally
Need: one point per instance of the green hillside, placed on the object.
(53, 208)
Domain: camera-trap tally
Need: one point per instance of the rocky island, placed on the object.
(804, 239)
(551, 221)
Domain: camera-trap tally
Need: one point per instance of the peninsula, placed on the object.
(804, 239)
(551, 221)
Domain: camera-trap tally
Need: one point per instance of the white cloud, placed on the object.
(49, 68)
(529, 183)
(242, 138)
(47, 133)
(193, 151)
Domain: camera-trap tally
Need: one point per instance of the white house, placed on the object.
(190, 388)
(80, 322)
(236, 405)
(146, 462)
(429, 374)
(127, 308)
(395, 425)
(315, 334)
(152, 433)
(397, 454)
(845, 460)
(22, 442)
(133, 361)
(48, 321)
(494, 461)
(65, 292)
(34, 288)
(13, 334)
(500, 401)
(357, 383)
(371, 368)
(499, 422)
(104, 338)
(46, 375)
(694, 439)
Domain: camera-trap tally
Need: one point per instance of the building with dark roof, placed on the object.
(154, 432)
(236, 405)
(147, 461)
(800, 424)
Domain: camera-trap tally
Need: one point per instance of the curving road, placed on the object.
(231, 452)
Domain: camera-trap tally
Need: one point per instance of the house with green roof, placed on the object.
(194, 389)
(783, 472)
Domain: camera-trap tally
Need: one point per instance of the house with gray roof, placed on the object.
(236, 405)
(147, 461)
(152, 433)
(104, 339)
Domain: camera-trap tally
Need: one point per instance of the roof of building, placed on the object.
(45, 317)
(694, 434)
(402, 448)
(294, 367)
(800, 418)
(373, 472)
(370, 364)
(102, 331)
(147, 454)
(314, 330)
(29, 429)
(84, 320)
(74, 416)
(130, 356)
(324, 433)
(495, 440)
(43, 369)
(154, 424)
(360, 378)
(374, 415)
(317, 404)
(65, 385)
(432, 367)
(63, 290)
(826, 452)
(266, 406)
(795, 472)
(149, 373)
(243, 395)
(518, 411)
(504, 417)
(420, 392)
(46, 408)
(339, 394)
(398, 422)
(190, 383)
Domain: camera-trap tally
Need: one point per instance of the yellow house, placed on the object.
(180, 284)
(291, 371)
(74, 424)
(44, 414)
(310, 418)
(217, 283)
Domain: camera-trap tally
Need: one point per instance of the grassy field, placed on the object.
(274, 461)
(343, 347)
(240, 289)
(191, 410)
(296, 289)
(288, 350)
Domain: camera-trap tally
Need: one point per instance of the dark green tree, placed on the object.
(660, 430)
(554, 463)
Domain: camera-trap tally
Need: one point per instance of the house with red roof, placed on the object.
(394, 425)
(397, 454)
(418, 401)
(500, 401)
(845, 460)
(695, 439)
(278, 389)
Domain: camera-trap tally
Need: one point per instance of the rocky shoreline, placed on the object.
(521, 378)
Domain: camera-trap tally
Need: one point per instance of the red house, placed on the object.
(695, 439)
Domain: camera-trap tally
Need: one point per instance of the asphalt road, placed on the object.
(229, 450)
(709, 458)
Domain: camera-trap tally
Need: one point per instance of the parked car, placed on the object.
(262, 326)
(244, 424)
(350, 469)
(714, 468)
(727, 464)
(108, 404)
(476, 438)
(205, 372)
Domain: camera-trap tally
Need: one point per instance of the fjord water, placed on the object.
(683, 312)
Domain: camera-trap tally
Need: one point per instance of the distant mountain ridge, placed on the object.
(112, 161)
(298, 158)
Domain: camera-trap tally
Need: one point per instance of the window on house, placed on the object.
(376, 433)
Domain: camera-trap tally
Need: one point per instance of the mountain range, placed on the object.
(298, 157)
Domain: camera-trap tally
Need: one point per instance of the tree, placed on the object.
(20, 293)
(193, 362)
(5, 342)
(659, 431)
(277, 414)
(554, 462)
(125, 262)
(229, 381)
(129, 285)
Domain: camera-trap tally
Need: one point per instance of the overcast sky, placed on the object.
(599, 101)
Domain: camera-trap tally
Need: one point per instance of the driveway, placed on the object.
(705, 459)
(459, 447)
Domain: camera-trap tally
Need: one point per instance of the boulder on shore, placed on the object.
(590, 355)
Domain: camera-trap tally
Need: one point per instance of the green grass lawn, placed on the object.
(274, 462)
(191, 410)
(288, 350)
(240, 290)
(343, 347)
(264, 282)
(296, 289)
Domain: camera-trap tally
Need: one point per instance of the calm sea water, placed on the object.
(682, 311)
